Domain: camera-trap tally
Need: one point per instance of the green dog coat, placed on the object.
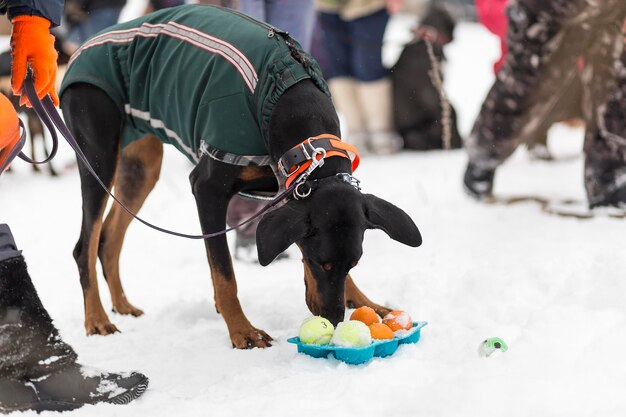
(202, 78)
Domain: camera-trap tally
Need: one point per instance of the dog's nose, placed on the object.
(335, 316)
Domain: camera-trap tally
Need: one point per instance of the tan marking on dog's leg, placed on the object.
(355, 299)
(137, 175)
(96, 320)
(242, 333)
(311, 292)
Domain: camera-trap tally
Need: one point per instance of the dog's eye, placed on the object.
(327, 266)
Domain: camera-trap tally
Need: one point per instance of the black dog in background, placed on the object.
(416, 100)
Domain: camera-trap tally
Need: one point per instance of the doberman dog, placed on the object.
(328, 225)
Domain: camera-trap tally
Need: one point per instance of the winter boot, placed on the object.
(478, 181)
(346, 100)
(605, 189)
(375, 99)
(38, 371)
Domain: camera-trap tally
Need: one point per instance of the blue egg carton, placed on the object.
(357, 355)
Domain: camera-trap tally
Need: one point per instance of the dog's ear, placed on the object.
(278, 230)
(391, 220)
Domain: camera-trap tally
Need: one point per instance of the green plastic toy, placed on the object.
(488, 346)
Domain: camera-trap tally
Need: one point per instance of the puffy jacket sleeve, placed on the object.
(492, 15)
(50, 9)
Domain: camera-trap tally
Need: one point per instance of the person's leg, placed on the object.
(254, 8)
(605, 138)
(99, 20)
(95, 21)
(338, 44)
(374, 85)
(545, 40)
(294, 16)
(38, 370)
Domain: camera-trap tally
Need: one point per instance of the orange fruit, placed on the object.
(366, 315)
(380, 331)
(398, 320)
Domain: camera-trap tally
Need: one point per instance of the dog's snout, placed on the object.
(335, 316)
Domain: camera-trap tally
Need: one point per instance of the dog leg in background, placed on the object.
(355, 299)
(213, 185)
(346, 100)
(375, 97)
(96, 123)
(138, 173)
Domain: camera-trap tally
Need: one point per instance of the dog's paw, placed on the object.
(124, 307)
(101, 327)
(250, 338)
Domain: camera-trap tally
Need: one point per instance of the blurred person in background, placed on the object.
(38, 370)
(492, 14)
(296, 17)
(85, 18)
(154, 5)
(545, 42)
(352, 33)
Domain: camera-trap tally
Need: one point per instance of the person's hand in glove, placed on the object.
(32, 44)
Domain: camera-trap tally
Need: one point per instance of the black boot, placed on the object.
(616, 198)
(478, 181)
(38, 371)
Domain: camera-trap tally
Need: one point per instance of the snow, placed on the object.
(553, 288)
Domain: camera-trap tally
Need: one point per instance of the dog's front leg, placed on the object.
(212, 187)
(355, 299)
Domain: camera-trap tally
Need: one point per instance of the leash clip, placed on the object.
(315, 163)
(297, 194)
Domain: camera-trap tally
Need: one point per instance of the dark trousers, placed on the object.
(546, 39)
(353, 47)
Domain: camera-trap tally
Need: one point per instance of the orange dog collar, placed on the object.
(299, 158)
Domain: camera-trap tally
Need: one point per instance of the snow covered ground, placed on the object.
(553, 288)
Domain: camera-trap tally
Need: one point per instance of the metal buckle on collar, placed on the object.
(310, 154)
(315, 163)
(283, 171)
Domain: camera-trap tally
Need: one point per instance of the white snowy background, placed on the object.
(553, 288)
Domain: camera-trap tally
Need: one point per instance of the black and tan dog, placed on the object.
(416, 101)
(328, 225)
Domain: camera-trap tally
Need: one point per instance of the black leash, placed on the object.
(50, 117)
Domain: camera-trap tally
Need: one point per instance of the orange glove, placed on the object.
(9, 129)
(32, 43)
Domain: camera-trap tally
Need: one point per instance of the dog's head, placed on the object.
(440, 20)
(328, 227)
